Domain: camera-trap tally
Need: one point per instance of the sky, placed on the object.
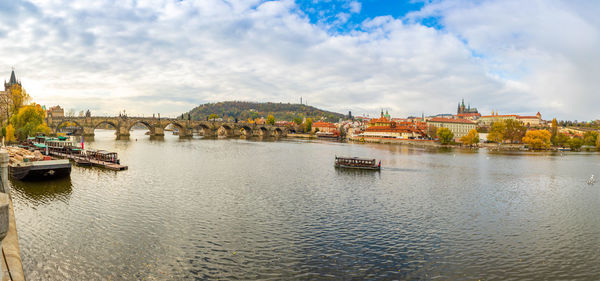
(408, 57)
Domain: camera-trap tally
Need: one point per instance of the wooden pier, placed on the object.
(93, 162)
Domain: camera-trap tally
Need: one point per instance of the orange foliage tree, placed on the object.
(538, 139)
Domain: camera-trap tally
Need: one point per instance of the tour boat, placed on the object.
(357, 163)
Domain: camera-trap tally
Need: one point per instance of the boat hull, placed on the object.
(371, 168)
(41, 170)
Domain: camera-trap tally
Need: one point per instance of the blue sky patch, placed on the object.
(347, 15)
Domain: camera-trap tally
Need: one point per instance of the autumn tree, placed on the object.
(537, 139)
(471, 138)
(270, 120)
(18, 98)
(29, 121)
(590, 137)
(497, 132)
(308, 125)
(297, 120)
(213, 117)
(445, 135)
(575, 143)
(554, 131)
(598, 143)
(561, 139)
(514, 131)
(432, 131)
(10, 133)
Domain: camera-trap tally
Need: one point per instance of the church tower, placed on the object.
(12, 81)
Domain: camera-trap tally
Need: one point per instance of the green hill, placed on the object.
(251, 110)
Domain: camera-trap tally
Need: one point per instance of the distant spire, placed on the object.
(13, 79)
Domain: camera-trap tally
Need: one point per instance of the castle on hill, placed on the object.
(462, 109)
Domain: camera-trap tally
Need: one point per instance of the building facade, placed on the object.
(531, 121)
(459, 127)
(487, 120)
(385, 127)
(324, 127)
(56, 111)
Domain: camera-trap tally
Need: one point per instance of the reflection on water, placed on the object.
(259, 210)
(357, 173)
(44, 191)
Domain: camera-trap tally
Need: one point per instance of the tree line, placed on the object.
(20, 117)
(242, 111)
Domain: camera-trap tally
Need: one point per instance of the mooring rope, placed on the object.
(6, 263)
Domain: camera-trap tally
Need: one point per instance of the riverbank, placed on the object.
(432, 143)
(12, 267)
(302, 136)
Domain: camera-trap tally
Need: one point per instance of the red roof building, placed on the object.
(324, 127)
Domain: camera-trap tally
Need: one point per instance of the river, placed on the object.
(259, 210)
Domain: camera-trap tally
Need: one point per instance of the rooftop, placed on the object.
(446, 120)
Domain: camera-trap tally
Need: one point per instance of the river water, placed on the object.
(259, 210)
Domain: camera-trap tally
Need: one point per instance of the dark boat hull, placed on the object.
(39, 172)
(371, 168)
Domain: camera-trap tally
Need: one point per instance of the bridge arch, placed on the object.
(245, 130)
(61, 124)
(225, 130)
(143, 122)
(183, 131)
(277, 132)
(102, 122)
(206, 129)
(263, 131)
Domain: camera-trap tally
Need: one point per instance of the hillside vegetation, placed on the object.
(252, 110)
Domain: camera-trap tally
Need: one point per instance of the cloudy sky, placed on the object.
(408, 57)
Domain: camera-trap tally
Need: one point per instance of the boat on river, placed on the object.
(36, 170)
(27, 165)
(357, 163)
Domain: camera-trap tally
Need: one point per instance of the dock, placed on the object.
(93, 162)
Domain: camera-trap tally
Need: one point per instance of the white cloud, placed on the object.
(355, 7)
(168, 56)
(548, 48)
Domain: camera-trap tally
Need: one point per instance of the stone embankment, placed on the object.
(302, 136)
(12, 268)
(429, 143)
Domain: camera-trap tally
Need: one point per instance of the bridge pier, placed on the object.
(88, 131)
(185, 134)
(123, 133)
(209, 133)
(158, 131)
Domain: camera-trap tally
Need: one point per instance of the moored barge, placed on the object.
(28, 165)
(39, 170)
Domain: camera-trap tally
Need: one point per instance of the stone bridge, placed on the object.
(156, 126)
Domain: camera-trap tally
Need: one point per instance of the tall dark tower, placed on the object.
(12, 81)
